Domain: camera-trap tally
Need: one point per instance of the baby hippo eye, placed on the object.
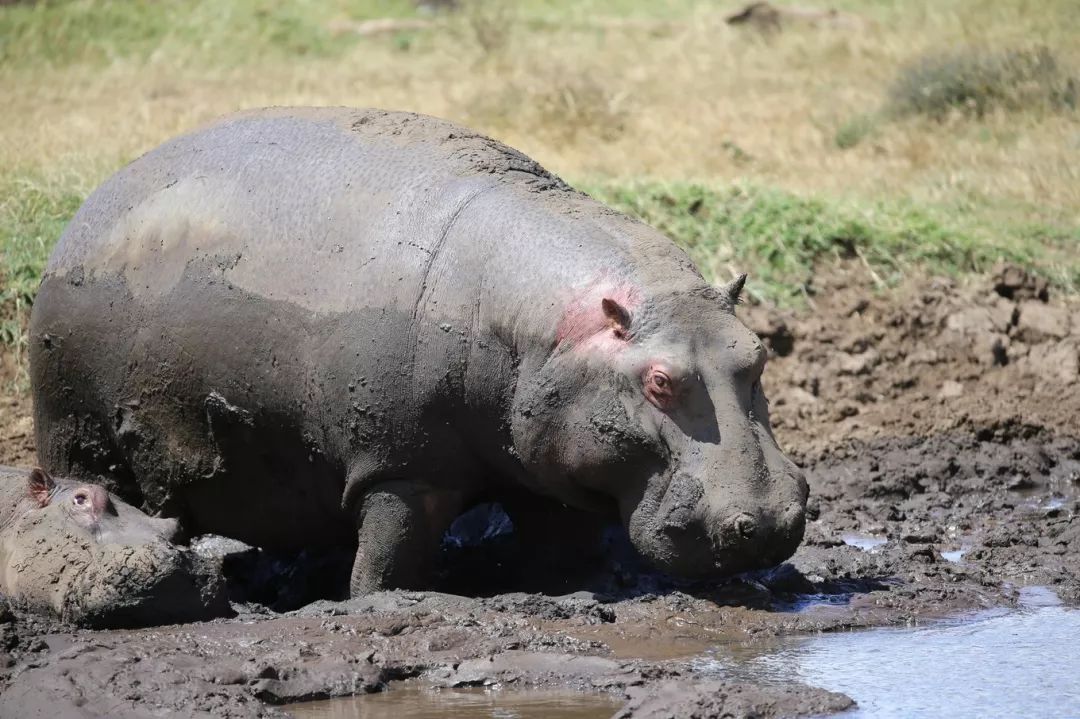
(80, 498)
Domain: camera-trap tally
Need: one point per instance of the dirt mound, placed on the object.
(931, 357)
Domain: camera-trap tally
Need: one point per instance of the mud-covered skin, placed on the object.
(305, 328)
(69, 549)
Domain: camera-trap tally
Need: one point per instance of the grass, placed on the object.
(975, 82)
(32, 217)
(781, 238)
(766, 153)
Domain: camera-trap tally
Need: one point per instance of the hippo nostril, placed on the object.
(744, 525)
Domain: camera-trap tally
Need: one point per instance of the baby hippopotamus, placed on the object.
(319, 327)
(73, 550)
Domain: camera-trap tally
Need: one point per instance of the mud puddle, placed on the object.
(994, 663)
(417, 702)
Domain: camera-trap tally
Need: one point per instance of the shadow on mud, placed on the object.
(484, 557)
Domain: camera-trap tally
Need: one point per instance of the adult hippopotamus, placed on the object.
(71, 549)
(305, 327)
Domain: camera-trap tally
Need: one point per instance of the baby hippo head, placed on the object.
(103, 517)
(74, 550)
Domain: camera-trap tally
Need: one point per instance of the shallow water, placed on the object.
(420, 703)
(865, 542)
(1009, 664)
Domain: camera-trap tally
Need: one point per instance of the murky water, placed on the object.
(1007, 663)
(1002, 664)
(865, 542)
(421, 703)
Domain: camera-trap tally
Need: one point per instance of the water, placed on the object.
(420, 703)
(997, 664)
(865, 542)
(955, 556)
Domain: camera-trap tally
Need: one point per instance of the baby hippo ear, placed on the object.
(733, 290)
(618, 317)
(39, 485)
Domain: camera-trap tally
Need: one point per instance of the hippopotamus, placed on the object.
(73, 550)
(313, 327)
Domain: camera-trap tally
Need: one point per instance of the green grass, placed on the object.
(208, 32)
(223, 33)
(32, 216)
(779, 237)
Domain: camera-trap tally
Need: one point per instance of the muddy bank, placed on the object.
(943, 451)
(633, 645)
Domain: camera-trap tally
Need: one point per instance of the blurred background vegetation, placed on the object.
(914, 135)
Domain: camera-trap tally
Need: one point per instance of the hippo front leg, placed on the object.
(401, 527)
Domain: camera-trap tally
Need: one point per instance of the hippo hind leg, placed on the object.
(401, 527)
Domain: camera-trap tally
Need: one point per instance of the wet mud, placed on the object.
(939, 426)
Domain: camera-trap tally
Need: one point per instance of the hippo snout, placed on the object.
(754, 540)
(697, 533)
(747, 527)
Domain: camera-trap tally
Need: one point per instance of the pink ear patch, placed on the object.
(40, 486)
(585, 320)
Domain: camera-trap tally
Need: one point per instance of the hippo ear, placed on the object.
(617, 316)
(732, 290)
(40, 486)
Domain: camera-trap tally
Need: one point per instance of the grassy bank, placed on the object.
(931, 136)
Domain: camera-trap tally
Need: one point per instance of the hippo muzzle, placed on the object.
(690, 535)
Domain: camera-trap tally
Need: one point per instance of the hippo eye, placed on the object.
(80, 498)
(659, 387)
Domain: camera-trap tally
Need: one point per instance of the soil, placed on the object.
(940, 419)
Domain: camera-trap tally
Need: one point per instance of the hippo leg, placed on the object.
(402, 524)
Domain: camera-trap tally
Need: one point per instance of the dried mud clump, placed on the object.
(931, 357)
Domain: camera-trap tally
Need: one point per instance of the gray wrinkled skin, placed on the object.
(70, 550)
(310, 327)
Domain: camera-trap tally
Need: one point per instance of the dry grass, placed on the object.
(669, 97)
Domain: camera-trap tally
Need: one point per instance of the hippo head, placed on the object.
(80, 553)
(655, 407)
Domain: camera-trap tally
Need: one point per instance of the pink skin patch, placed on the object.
(589, 323)
(598, 321)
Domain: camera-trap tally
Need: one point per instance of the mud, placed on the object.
(973, 490)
